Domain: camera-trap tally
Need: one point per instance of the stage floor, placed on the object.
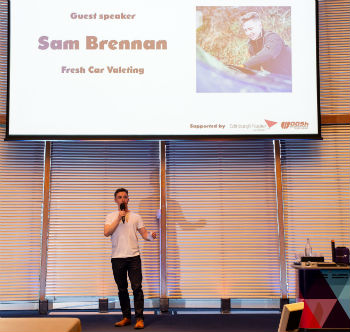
(233, 322)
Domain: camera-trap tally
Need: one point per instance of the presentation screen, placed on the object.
(162, 69)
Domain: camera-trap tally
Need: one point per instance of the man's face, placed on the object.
(252, 29)
(122, 197)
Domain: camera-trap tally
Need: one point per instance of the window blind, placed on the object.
(84, 176)
(316, 182)
(21, 192)
(334, 56)
(3, 56)
(222, 236)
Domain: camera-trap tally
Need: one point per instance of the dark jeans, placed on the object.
(132, 267)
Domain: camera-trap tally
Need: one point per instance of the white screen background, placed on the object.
(162, 101)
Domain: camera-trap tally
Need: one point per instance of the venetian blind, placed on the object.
(84, 176)
(334, 55)
(3, 56)
(21, 195)
(316, 182)
(222, 235)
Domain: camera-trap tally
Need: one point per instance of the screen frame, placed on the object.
(227, 137)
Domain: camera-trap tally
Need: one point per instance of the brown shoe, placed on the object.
(139, 324)
(125, 321)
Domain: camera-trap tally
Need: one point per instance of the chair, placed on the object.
(290, 317)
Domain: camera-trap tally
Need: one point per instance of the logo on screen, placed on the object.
(294, 124)
(270, 123)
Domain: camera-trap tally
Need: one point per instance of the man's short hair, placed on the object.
(250, 16)
(119, 190)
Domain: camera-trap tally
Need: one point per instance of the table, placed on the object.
(325, 292)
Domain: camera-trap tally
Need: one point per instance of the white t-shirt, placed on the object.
(124, 239)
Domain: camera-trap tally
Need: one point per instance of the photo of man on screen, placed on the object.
(243, 49)
(267, 49)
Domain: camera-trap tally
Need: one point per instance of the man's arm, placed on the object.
(110, 228)
(271, 49)
(251, 49)
(147, 236)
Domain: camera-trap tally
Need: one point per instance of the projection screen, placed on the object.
(162, 69)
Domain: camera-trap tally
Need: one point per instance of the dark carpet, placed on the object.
(249, 322)
(177, 323)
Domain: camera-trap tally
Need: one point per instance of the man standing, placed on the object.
(267, 49)
(122, 225)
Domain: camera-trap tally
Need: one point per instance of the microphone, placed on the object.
(122, 208)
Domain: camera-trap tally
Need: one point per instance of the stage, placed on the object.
(175, 321)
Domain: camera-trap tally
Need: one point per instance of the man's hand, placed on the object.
(151, 236)
(148, 236)
(110, 228)
(122, 214)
